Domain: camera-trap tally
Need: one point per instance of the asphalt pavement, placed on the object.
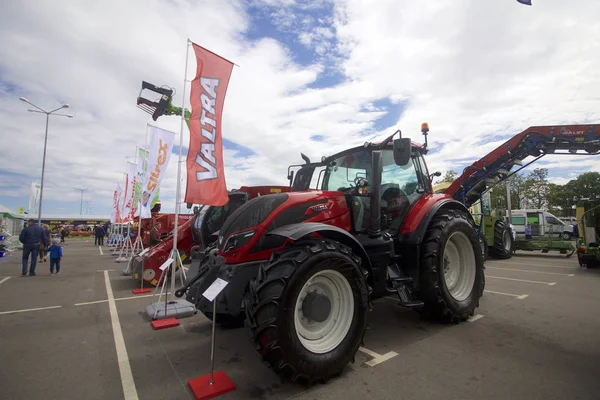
(534, 336)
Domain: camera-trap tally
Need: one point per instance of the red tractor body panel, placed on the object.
(420, 209)
(159, 253)
(326, 207)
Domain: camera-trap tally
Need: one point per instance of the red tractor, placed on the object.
(194, 232)
(303, 266)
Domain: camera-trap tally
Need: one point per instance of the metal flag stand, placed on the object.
(179, 307)
(214, 384)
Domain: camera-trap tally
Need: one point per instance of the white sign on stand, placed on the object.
(166, 264)
(145, 251)
(213, 290)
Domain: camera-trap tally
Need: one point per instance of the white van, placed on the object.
(542, 224)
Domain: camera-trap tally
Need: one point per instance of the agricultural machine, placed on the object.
(495, 167)
(195, 233)
(588, 219)
(303, 266)
(495, 234)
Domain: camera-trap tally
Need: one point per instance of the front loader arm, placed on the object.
(535, 141)
(162, 106)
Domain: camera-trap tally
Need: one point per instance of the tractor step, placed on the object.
(406, 299)
(400, 284)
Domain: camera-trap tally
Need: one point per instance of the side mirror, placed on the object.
(402, 150)
(188, 205)
(291, 177)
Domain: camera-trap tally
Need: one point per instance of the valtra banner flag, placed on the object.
(205, 171)
(161, 147)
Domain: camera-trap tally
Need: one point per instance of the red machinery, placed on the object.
(535, 141)
(192, 233)
(302, 266)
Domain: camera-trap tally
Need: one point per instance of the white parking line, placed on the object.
(29, 309)
(129, 390)
(475, 317)
(4, 280)
(377, 358)
(522, 280)
(518, 296)
(533, 272)
(100, 248)
(117, 299)
(524, 264)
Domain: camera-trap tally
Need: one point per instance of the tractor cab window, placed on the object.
(401, 186)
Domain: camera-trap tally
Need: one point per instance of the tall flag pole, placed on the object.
(175, 252)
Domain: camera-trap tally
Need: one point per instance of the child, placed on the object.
(55, 255)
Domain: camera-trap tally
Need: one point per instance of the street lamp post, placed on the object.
(81, 204)
(42, 111)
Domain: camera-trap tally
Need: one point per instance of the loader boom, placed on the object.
(535, 141)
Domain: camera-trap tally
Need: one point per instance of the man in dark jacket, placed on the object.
(31, 236)
(99, 232)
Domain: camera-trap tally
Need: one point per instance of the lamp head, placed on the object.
(24, 99)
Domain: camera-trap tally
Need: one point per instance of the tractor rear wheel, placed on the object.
(503, 241)
(307, 312)
(452, 276)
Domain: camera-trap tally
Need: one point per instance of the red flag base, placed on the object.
(203, 390)
(164, 323)
(140, 291)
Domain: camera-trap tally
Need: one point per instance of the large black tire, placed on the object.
(503, 242)
(272, 310)
(228, 321)
(484, 246)
(451, 236)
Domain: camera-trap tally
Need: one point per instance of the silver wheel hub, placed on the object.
(507, 240)
(459, 266)
(324, 311)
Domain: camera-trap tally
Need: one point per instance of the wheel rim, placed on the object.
(459, 266)
(322, 337)
(507, 240)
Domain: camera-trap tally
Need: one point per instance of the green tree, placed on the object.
(564, 197)
(536, 188)
(449, 176)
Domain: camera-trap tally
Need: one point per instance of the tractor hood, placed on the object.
(265, 213)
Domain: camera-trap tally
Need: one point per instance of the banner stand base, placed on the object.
(202, 388)
(123, 259)
(140, 291)
(175, 309)
(164, 323)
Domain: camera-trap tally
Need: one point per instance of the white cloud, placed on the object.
(469, 68)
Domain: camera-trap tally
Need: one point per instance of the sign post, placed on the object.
(214, 384)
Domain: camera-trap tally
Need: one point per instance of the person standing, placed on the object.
(47, 241)
(31, 236)
(63, 233)
(528, 231)
(55, 256)
(99, 233)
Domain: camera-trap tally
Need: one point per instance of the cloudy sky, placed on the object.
(312, 76)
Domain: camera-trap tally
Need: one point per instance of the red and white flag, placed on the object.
(115, 216)
(127, 214)
(205, 171)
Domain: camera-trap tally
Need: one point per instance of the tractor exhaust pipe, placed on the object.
(375, 183)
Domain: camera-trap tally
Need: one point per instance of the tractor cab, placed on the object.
(400, 186)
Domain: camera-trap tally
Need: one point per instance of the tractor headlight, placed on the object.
(238, 240)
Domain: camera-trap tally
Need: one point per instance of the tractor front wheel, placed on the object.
(503, 241)
(452, 276)
(307, 311)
